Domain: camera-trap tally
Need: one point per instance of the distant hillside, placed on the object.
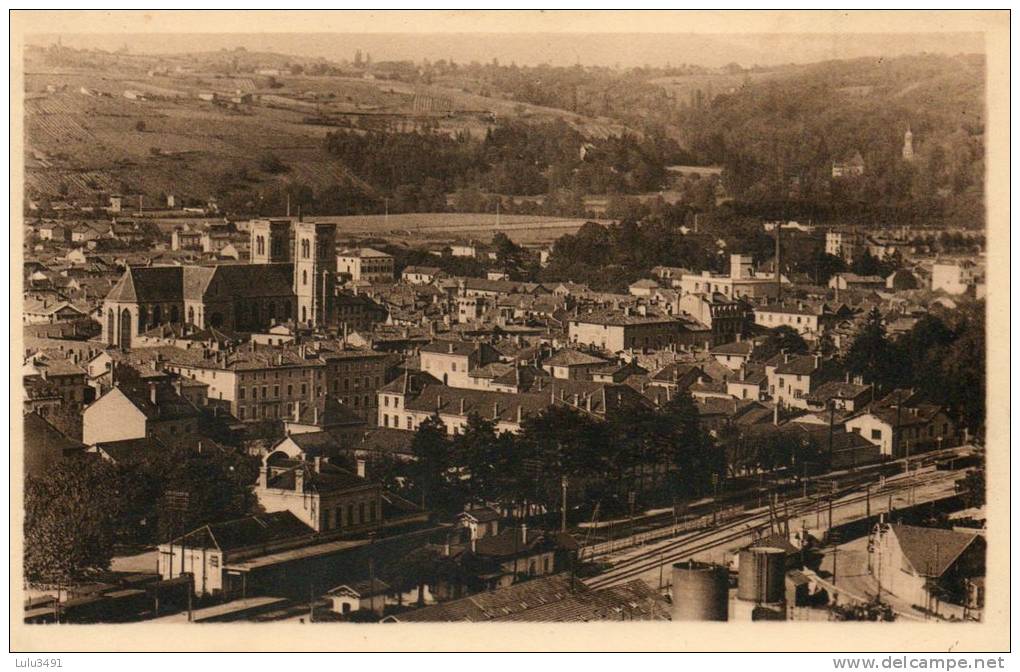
(779, 138)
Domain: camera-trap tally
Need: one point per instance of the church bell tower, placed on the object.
(314, 272)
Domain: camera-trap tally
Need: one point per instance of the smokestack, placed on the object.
(779, 275)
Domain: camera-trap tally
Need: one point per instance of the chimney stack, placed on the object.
(495, 410)
(264, 476)
(152, 393)
(520, 414)
(318, 464)
(362, 471)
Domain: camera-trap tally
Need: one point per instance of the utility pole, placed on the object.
(832, 413)
(867, 500)
(563, 507)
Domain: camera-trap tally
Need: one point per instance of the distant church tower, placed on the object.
(908, 145)
(314, 272)
(270, 241)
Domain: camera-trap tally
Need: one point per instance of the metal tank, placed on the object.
(700, 592)
(762, 575)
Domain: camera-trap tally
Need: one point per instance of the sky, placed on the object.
(555, 48)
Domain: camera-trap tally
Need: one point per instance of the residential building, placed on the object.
(420, 275)
(741, 282)
(365, 263)
(808, 319)
(264, 383)
(925, 566)
(135, 412)
(847, 245)
(617, 331)
(956, 277)
(319, 494)
(791, 378)
(903, 429)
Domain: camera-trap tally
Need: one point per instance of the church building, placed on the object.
(290, 278)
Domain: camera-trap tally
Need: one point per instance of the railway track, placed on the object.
(697, 542)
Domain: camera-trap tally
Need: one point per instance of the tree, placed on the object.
(70, 520)
(474, 451)
(431, 450)
(972, 488)
(694, 459)
(414, 569)
(871, 355)
(269, 162)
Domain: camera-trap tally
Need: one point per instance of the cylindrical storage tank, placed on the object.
(762, 574)
(700, 592)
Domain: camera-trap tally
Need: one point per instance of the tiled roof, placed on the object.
(571, 357)
(257, 530)
(802, 365)
(631, 601)
(734, 348)
(329, 478)
(929, 550)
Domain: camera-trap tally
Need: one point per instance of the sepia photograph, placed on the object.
(339, 322)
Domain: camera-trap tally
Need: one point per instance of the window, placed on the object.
(240, 413)
(240, 393)
(409, 422)
(371, 512)
(214, 561)
(876, 434)
(290, 390)
(350, 515)
(276, 391)
(361, 512)
(386, 400)
(385, 420)
(304, 280)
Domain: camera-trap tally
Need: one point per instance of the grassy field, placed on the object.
(522, 229)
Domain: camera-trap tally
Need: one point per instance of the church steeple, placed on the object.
(908, 145)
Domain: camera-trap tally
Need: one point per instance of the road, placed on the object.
(717, 544)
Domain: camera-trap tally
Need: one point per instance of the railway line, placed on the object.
(704, 540)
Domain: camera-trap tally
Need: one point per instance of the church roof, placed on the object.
(154, 284)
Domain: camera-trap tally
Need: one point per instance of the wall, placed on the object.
(112, 418)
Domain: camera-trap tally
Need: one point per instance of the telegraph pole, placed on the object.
(563, 508)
